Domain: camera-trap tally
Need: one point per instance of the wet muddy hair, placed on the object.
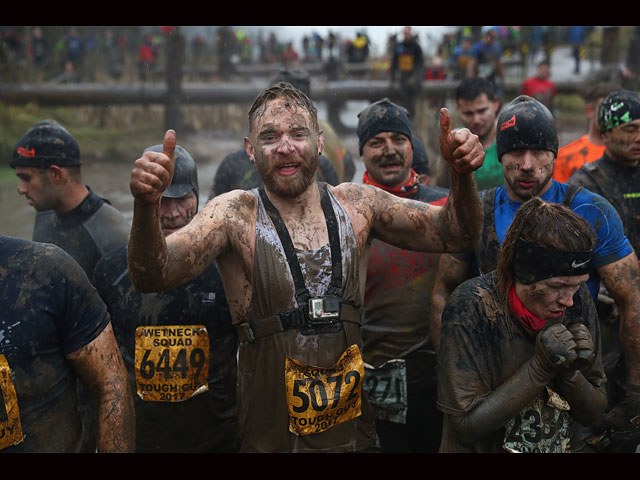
(549, 225)
(295, 97)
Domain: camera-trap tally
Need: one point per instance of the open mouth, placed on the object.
(288, 169)
(390, 167)
(556, 315)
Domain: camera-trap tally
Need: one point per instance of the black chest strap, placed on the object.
(298, 317)
(293, 319)
(302, 293)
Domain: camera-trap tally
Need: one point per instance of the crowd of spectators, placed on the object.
(74, 54)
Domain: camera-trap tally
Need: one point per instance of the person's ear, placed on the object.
(248, 147)
(57, 175)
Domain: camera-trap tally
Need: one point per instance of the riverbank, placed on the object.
(114, 133)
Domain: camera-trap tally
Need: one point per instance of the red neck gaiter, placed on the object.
(524, 316)
(404, 190)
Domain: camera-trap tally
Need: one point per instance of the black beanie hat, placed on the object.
(46, 143)
(525, 124)
(382, 116)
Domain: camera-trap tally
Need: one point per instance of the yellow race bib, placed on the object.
(405, 62)
(171, 362)
(10, 425)
(320, 398)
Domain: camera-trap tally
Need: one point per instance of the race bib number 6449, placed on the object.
(320, 398)
(172, 362)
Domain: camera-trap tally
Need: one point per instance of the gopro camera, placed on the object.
(324, 310)
(323, 316)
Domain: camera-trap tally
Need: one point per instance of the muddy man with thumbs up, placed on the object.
(293, 258)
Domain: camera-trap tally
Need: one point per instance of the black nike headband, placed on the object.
(533, 263)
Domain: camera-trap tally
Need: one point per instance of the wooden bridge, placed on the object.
(335, 93)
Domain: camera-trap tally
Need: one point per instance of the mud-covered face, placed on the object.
(285, 146)
(527, 173)
(37, 188)
(478, 115)
(548, 299)
(388, 157)
(623, 143)
(175, 213)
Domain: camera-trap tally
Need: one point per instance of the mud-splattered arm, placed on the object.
(157, 263)
(622, 280)
(454, 227)
(100, 367)
(147, 253)
(461, 216)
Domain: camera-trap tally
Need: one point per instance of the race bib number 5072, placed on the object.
(172, 362)
(320, 398)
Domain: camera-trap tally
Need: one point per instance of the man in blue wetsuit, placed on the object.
(527, 145)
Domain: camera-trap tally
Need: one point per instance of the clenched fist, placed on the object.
(555, 347)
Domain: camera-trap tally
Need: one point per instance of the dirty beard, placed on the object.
(289, 187)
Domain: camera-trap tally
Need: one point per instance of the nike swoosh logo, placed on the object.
(578, 265)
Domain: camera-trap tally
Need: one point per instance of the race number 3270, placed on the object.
(172, 362)
(320, 398)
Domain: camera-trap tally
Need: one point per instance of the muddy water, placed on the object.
(112, 181)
